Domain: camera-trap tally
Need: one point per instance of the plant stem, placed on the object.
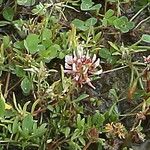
(144, 20)
(112, 70)
(139, 12)
(135, 43)
(7, 84)
(87, 145)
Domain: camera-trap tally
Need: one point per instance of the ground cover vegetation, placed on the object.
(74, 74)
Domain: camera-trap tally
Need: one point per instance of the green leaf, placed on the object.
(2, 106)
(19, 71)
(38, 132)
(61, 55)
(148, 101)
(113, 95)
(123, 24)
(39, 10)
(109, 13)
(86, 4)
(146, 38)
(47, 34)
(4, 23)
(97, 37)
(8, 13)
(104, 53)
(67, 132)
(15, 125)
(79, 24)
(26, 85)
(26, 2)
(50, 53)
(114, 46)
(91, 22)
(6, 41)
(76, 134)
(19, 45)
(31, 43)
(53, 51)
(111, 20)
(41, 47)
(1, 1)
(35, 127)
(81, 97)
(130, 25)
(96, 7)
(80, 122)
(81, 139)
(98, 119)
(108, 18)
(27, 123)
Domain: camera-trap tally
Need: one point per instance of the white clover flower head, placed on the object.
(146, 59)
(81, 66)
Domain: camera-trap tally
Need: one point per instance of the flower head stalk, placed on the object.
(81, 66)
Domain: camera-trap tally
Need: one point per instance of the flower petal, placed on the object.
(67, 66)
(68, 59)
(68, 71)
(97, 72)
(94, 58)
(85, 70)
(76, 77)
(88, 81)
(75, 56)
(146, 59)
(87, 55)
(74, 67)
(96, 64)
(79, 51)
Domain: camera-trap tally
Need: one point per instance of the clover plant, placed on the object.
(123, 24)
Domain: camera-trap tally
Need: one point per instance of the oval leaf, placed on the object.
(31, 43)
(26, 85)
(8, 13)
(2, 107)
(26, 2)
(146, 38)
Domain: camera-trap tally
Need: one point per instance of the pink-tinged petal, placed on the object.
(96, 64)
(87, 55)
(146, 59)
(97, 72)
(75, 56)
(88, 81)
(74, 67)
(79, 51)
(67, 66)
(79, 54)
(94, 58)
(79, 61)
(85, 70)
(91, 85)
(77, 77)
(68, 71)
(68, 59)
(81, 85)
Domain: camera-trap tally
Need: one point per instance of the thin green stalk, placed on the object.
(139, 12)
(139, 78)
(144, 20)
(135, 44)
(132, 76)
